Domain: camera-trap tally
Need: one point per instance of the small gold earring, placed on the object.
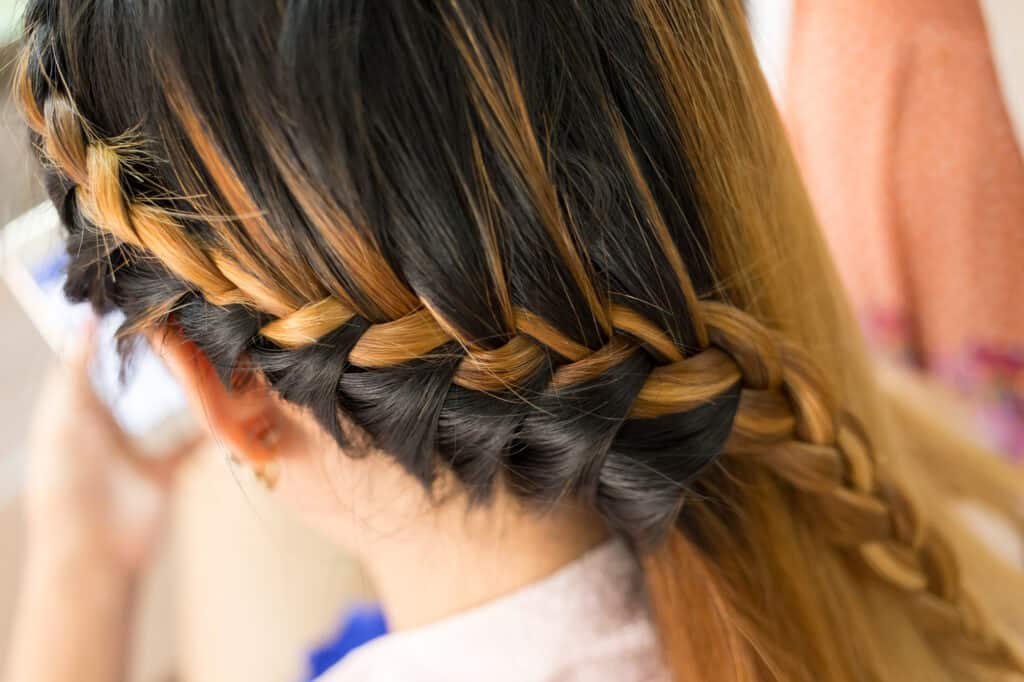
(268, 471)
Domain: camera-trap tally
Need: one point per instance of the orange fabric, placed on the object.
(907, 149)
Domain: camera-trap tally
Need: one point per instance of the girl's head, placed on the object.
(549, 251)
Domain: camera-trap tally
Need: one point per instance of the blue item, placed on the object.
(51, 268)
(361, 624)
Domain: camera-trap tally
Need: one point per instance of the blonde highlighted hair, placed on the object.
(555, 246)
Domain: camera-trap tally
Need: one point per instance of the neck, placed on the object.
(450, 560)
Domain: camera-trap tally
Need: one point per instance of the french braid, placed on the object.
(785, 417)
(642, 410)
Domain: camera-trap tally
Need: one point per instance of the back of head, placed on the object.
(556, 247)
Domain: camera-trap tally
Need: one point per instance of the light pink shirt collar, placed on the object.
(587, 621)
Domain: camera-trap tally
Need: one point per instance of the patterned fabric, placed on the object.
(994, 379)
(910, 157)
(586, 622)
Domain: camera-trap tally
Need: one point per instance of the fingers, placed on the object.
(81, 396)
(81, 348)
(71, 377)
(72, 432)
(68, 380)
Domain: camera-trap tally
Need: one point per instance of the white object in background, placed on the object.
(1005, 22)
(10, 19)
(769, 26)
(148, 404)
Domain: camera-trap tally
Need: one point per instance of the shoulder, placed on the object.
(588, 621)
(630, 656)
(640, 669)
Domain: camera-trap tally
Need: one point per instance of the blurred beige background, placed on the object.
(242, 591)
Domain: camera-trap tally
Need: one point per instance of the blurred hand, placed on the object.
(90, 492)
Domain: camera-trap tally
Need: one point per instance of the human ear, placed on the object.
(246, 417)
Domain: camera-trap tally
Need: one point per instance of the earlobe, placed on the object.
(246, 417)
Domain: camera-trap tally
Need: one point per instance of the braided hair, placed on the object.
(483, 234)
